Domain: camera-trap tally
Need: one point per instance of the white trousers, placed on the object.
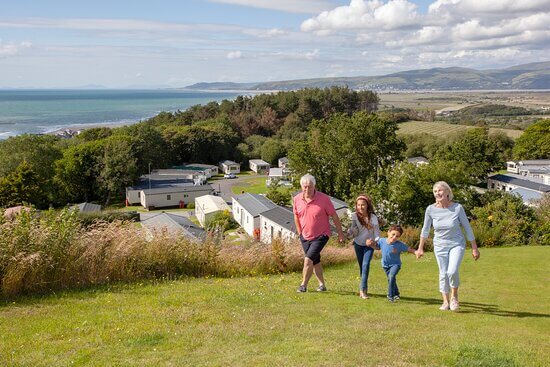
(448, 260)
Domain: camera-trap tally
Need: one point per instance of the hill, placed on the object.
(261, 321)
(527, 76)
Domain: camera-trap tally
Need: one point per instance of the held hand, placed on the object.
(341, 238)
(370, 243)
(475, 254)
(419, 253)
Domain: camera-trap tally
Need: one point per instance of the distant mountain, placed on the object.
(527, 76)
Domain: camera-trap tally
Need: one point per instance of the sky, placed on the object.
(175, 43)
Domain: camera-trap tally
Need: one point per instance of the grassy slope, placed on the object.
(443, 129)
(261, 321)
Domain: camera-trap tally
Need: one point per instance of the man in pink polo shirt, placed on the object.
(312, 210)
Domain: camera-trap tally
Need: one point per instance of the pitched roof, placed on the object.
(282, 216)
(338, 204)
(211, 203)
(88, 207)
(177, 188)
(522, 182)
(175, 225)
(254, 203)
(260, 162)
(230, 163)
(526, 194)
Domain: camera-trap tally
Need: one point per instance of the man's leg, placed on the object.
(318, 270)
(307, 271)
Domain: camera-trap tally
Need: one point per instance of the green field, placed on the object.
(443, 129)
(261, 321)
(253, 184)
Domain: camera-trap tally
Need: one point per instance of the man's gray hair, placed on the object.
(307, 178)
(445, 187)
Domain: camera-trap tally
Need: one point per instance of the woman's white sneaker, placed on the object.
(444, 307)
(454, 305)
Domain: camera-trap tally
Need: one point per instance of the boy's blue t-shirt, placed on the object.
(391, 251)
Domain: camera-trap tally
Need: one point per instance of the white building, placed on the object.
(283, 162)
(537, 169)
(340, 206)
(277, 223)
(207, 206)
(207, 170)
(174, 195)
(247, 209)
(133, 193)
(278, 175)
(528, 188)
(418, 161)
(230, 167)
(259, 165)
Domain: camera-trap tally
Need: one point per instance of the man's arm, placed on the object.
(298, 226)
(338, 226)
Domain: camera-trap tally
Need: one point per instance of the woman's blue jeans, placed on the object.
(391, 273)
(364, 256)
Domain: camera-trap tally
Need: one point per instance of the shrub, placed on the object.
(190, 206)
(88, 219)
(222, 221)
(505, 221)
(54, 251)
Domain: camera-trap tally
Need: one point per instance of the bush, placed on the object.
(88, 219)
(42, 254)
(222, 221)
(190, 206)
(505, 221)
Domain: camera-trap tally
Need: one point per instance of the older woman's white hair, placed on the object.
(306, 179)
(445, 186)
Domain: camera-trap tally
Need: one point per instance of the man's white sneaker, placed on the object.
(454, 305)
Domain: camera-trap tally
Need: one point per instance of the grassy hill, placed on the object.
(261, 321)
(527, 76)
(443, 129)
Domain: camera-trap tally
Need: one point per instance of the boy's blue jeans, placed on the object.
(364, 256)
(391, 273)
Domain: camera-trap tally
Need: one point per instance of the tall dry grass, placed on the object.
(54, 251)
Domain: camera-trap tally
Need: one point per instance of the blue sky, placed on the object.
(168, 43)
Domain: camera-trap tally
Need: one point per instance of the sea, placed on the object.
(47, 111)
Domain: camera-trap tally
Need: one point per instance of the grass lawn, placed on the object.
(443, 129)
(253, 184)
(261, 321)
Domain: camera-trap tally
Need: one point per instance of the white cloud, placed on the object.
(234, 55)
(290, 6)
(12, 49)
(361, 14)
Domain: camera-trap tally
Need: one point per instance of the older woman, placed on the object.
(447, 218)
(365, 230)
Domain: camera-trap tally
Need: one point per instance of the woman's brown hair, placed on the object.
(365, 220)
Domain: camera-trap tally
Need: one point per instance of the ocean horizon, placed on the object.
(43, 111)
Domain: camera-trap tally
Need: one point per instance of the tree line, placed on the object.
(99, 163)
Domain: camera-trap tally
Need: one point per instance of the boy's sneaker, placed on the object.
(301, 289)
(454, 305)
(396, 298)
(322, 288)
(391, 300)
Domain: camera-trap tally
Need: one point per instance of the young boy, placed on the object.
(391, 249)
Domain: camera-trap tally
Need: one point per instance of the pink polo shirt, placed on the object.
(313, 216)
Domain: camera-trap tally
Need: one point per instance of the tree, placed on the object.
(342, 150)
(476, 150)
(22, 187)
(534, 143)
(118, 167)
(77, 172)
(272, 149)
(279, 195)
